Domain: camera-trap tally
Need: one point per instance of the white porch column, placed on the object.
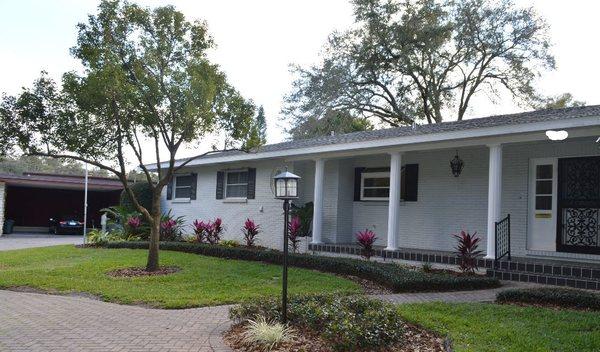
(494, 197)
(318, 201)
(394, 200)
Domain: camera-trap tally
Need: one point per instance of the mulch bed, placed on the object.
(369, 287)
(137, 272)
(415, 339)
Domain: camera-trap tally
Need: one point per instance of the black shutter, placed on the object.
(170, 188)
(357, 175)
(251, 192)
(411, 173)
(220, 184)
(193, 186)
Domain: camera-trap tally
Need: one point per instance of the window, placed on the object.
(183, 186)
(543, 187)
(375, 186)
(236, 185)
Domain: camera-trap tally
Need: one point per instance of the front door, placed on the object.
(579, 205)
(542, 204)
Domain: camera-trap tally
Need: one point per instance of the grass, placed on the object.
(202, 281)
(490, 327)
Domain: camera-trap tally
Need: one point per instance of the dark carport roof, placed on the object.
(44, 180)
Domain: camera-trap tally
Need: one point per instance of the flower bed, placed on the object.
(552, 296)
(396, 277)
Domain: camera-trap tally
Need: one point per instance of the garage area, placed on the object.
(28, 201)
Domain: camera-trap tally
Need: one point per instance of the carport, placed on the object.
(31, 199)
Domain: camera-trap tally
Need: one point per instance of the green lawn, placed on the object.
(490, 327)
(202, 280)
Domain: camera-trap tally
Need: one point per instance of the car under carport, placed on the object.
(31, 199)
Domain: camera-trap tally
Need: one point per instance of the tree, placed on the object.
(565, 100)
(146, 90)
(24, 163)
(257, 134)
(423, 59)
(332, 122)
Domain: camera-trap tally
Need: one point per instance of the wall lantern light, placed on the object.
(456, 165)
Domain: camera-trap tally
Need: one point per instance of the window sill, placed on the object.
(235, 200)
(181, 200)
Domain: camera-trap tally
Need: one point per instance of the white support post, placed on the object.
(494, 197)
(394, 200)
(318, 201)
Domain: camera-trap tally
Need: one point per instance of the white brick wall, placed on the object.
(446, 204)
(2, 201)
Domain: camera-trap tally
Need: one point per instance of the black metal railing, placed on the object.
(502, 238)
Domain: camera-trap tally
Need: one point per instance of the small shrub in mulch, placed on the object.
(342, 323)
(396, 277)
(137, 272)
(552, 297)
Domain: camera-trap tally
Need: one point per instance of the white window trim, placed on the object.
(181, 199)
(235, 199)
(371, 175)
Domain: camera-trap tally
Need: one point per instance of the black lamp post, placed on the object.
(286, 188)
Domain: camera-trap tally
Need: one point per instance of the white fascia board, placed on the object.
(405, 142)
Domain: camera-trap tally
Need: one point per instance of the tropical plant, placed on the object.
(366, 240)
(200, 230)
(133, 225)
(229, 243)
(466, 251)
(171, 227)
(294, 228)
(208, 232)
(146, 82)
(99, 237)
(267, 334)
(305, 213)
(427, 267)
(250, 231)
(215, 231)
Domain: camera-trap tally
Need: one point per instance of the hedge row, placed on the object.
(393, 276)
(555, 296)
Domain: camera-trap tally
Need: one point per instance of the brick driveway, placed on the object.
(26, 240)
(39, 322)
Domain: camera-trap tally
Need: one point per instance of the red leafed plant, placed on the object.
(467, 252)
(215, 231)
(133, 225)
(201, 229)
(208, 232)
(250, 230)
(168, 230)
(366, 239)
(294, 229)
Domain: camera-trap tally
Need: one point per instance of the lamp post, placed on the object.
(286, 188)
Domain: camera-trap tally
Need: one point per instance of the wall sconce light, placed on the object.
(456, 165)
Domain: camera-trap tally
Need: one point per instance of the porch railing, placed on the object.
(502, 238)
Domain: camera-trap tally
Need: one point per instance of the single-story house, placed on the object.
(31, 199)
(415, 186)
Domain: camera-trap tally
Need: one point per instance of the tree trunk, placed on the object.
(153, 263)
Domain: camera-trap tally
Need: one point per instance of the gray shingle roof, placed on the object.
(475, 123)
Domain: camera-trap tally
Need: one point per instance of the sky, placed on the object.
(258, 40)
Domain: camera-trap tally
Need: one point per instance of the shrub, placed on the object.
(133, 225)
(208, 232)
(305, 214)
(250, 230)
(397, 278)
(200, 230)
(555, 296)
(294, 230)
(171, 227)
(99, 237)
(466, 251)
(216, 230)
(365, 240)
(142, 192)
(427, 267)
(349, 323)
(229, 243)
(267, 334)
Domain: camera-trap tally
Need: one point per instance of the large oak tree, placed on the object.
(424, 59)
(147, 89)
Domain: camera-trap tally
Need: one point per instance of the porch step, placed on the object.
(548, 267)
(546, 279)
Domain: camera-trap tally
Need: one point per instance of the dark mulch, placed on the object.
(415, 339)
(369, 287)
(137, 272)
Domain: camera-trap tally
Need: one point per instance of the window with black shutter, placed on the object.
(373, 184)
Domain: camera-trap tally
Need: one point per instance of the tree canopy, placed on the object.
(424, 60)
(146, 90)
(332, 122)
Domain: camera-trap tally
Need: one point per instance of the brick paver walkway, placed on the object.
(49, 323)
(18, 241)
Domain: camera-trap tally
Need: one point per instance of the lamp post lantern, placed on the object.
(286, 188)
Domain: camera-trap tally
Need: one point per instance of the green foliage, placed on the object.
(267, 334)
(565, 100)
(36, 164)
(171, 227)
(257, 134)
(229, 243)
(349, 323)
(99, 237)
(408, 60)
(338, 122)
(143, 194)
(396, 277)
(305, 213)
(553, 296)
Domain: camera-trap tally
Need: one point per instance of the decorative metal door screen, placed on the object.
(578, 227)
